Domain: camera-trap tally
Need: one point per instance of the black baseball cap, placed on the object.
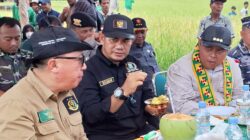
(246, 22)
(216, 35)
(139, 23)
(118, 26)
(80, 19)
(54, 41)
(223, 1)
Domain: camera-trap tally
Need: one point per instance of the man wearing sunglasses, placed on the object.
(112, 93)
(42, 105)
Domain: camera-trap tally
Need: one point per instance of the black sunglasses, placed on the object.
(81, 59)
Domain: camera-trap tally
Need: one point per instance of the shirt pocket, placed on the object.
(76, 128)
(47, 130)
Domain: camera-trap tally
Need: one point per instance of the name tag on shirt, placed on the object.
(107, 81)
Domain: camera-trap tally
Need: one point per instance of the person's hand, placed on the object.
(158, 110)
(65, 11)
(133, 80)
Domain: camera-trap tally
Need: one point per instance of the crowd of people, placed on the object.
(89, 80)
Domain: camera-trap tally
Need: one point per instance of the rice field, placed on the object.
(172, 24)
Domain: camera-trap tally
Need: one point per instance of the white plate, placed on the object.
(222, 111)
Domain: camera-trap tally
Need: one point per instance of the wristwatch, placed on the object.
(119, 94)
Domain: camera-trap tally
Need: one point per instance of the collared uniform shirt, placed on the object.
(12, 69)
(184, 88)
(242, 56)
(94, 93)
(31, 111)
(146, 56)
(222, 21)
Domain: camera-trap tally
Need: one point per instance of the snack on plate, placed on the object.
(159, 100)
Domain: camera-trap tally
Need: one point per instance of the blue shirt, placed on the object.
(232, 13)
(44, 14)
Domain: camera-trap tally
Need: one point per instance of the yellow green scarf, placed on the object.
(204, 83)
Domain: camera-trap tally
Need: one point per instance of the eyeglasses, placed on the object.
(81, 59)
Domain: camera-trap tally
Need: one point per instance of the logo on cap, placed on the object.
(77, 22)
(120, 24)
(138, 22)
(218, 39)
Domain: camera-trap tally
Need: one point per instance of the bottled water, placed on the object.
(246, 92)
(202, 119)
(233, 131)
(243, 105)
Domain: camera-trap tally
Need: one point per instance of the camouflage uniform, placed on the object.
(242, 55)
(12, 69)
(146, 56)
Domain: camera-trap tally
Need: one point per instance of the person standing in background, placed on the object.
(67, 12)
(23, 13)
(233, 11)
(244, 10)
(128, 5)
(114, 6)
(215, 17)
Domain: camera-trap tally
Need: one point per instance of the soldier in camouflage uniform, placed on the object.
(242, 52)
(12, 67)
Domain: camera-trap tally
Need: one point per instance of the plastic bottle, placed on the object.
(233, 131)
(202, 119)
(246, 96)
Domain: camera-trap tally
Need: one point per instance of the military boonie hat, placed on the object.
(118, 26)
(139, 24)
(80, 19)
(212, 1)
(54, 41)
(246, 22)
(215, 35)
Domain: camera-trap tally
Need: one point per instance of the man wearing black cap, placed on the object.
(85, 26)
(142, 50)
(241, 52)
(206, 74)
(112, 93)
(215, 17)
(42, 105)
